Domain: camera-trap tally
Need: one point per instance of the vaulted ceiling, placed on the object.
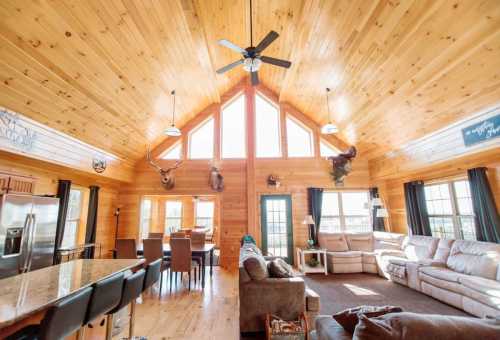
(102, 70)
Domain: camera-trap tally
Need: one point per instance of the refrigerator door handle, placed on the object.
(26, 242)
(32, 237)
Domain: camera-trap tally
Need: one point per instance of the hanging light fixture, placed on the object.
(329, 128)
(173, 131)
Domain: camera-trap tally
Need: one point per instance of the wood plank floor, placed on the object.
(211, 314)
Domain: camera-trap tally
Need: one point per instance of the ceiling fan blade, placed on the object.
(268, 39)
(277, 62)
(255, 78)
(232, 46)
(229, 66)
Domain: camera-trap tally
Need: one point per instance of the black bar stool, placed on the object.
(106, 295)
(153, 274)
(132, 289)
(62, 319)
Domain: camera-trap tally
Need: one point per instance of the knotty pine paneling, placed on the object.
(47, 176)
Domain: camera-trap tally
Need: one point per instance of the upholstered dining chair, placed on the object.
(198, 241)
(156, 235)
(126, 248)
(153, 250)
(181, 261)
(177, 234)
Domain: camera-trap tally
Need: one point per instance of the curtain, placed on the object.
(377, 222)
(63, 191)
(416, 209)
(483, 203)
(315, 200)
(90, 234)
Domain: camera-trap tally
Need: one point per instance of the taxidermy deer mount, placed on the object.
(342, 165)
(215, 179)
(167, 175)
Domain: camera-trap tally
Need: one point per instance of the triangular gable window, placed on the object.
(300, 139)
(327, 150)
(267, 128)
(201, 141)
(174, 152)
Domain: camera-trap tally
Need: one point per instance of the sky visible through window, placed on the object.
(300, 141)
(267, 128)
(201, 141)
(174, 152)
(234, 129)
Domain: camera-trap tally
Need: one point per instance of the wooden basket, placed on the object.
(301, 333)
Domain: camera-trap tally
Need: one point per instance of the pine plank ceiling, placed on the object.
(102, 70)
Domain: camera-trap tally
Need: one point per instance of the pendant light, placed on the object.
(173, 131)
(329, 128)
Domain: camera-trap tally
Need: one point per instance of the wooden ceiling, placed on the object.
(101, 70)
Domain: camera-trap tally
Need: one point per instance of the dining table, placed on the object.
(196, 250)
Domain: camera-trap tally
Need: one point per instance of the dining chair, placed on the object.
(153, 250)
(126, 248)
(156, 235)
(211, 234)
(177, 234)
(198, 241)
(181, 261)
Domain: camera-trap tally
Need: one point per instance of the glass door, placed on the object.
(276, 223)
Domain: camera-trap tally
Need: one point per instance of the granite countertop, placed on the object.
(25, 294)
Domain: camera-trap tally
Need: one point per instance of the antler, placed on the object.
(148, 156)
(177, 164)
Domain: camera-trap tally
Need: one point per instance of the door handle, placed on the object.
(25, 242)
(32, 234)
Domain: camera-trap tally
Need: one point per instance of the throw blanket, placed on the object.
(397, 271)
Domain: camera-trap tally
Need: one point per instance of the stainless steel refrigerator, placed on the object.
(27, 232)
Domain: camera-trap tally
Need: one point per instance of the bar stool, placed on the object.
(62, 319)
(153, 274)
(105, 296)
(153, 250)
(132, 289)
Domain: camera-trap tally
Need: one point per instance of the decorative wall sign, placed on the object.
(99, 165)
(482, 131)
(13, 130)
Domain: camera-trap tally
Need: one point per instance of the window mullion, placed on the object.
(454, 209)
(341, 212)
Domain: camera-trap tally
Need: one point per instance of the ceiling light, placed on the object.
(329, 128)
(252, 64)
(173, 131)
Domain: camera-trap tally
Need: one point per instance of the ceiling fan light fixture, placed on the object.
(329, 129)
(173, 131)
(252, 64)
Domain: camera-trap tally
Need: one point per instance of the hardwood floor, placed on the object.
(212, 313)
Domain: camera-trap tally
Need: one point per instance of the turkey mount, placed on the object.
(252, 59)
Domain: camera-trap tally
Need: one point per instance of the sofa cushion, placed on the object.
(256, 267)
(328, 329)
(412, 326)
(479, 297)
(344, 253)
(360, 241)
(333, 241)
(368, 257)
(349, 318)
(443, 250)
(442, 273)
(280, 269)
(418, 247)
(482, 285)
(344, 257)
(475, 258)
(451, 286)
(385, 240)
(399, 261)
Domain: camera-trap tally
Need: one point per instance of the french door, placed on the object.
(276, 223)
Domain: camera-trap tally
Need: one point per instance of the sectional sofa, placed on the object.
(464, 274)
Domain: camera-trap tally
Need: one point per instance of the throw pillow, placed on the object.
(256, 267)
(411, 326)
(348, 318)
(278, 268)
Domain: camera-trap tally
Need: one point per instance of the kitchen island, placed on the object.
(27, 296)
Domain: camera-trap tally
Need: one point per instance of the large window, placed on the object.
(327, 150)
(267, 128)
(204, 214)
(145, 217)
(233, 129)
(299, 138)
(201, 141)
(345, 211)
(173, 216)
(449, 206)
(72, 218)
(174, 152)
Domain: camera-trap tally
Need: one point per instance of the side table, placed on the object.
(305, 268)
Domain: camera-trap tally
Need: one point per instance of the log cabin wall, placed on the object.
(47, 176)
(245, 179)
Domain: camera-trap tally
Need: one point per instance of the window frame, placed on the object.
(196, 213)
(142, 218)
(77, 220)
(310, 131)
(280, 140)
(196, 129)
(455, 216)
(342, 216)
(167, 218)
(245, 120)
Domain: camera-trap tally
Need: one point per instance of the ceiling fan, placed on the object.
(252, 59)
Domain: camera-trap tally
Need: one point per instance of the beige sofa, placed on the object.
(464, 274)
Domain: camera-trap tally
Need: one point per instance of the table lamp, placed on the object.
(308, 220)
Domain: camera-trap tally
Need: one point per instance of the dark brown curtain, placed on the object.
(90, 234)
(63, 191)
(416, 209)
(377, 222)
(315, 201)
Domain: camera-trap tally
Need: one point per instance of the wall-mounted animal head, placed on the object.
(215, 179)
(167, 175)
(342, 165)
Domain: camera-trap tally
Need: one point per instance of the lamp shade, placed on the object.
(172, 131)
(382, 212)
(377, 202)
(308, 220)
(329, 129)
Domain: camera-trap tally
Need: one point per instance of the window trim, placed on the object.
(180, 218)
(280, 140)
(455, 212)
(193, 131)
(342, 216)
(245, 120)
(297, 121)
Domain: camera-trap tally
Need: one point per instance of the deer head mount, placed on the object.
(215, 179)
(167, 175)
(342, 165)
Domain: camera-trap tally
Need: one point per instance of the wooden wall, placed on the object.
(47, 176)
